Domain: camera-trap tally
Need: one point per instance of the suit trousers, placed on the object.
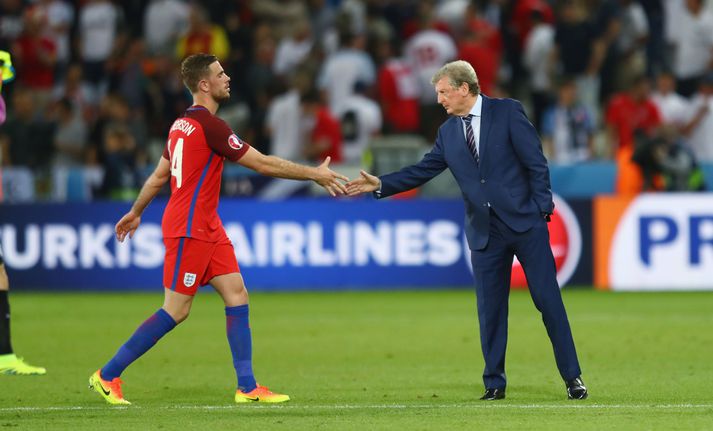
(492, 267)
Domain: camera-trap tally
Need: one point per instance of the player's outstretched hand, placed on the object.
(127, 225)
(329, 179)
(366, 183)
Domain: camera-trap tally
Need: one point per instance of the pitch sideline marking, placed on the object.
(370, 407)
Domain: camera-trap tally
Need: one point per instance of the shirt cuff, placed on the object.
(377, 193)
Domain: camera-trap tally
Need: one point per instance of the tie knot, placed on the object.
(468, 118)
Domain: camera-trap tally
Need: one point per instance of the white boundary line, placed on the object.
(475, 406)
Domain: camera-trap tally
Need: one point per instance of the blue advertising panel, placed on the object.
(295, 244)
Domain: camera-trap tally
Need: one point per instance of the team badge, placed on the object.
(235, 142)
(189, 279)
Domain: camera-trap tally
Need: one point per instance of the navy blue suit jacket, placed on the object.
(512, 177)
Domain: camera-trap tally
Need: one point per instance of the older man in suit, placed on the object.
(496, 157)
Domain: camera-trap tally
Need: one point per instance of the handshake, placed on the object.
(338, 184)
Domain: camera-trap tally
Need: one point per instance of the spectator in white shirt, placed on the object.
(293, 49)
(164, 22)
(538, 59)
(283, 121)
(631, 42)
(99, 25)
(427, 51)
(672, 106)
(700, 126)
(693, 39)
(360, 118)
(343, 69)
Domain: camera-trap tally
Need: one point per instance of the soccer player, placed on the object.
(9, 363)
(198, 251)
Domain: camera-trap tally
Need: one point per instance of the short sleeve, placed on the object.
(166, 154)
(221, 139)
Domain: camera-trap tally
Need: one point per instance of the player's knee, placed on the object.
(236, 287)
(180, 315)
(240, 289)
(178, 312)
(237, 295)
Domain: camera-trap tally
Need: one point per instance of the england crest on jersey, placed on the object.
(189, 279)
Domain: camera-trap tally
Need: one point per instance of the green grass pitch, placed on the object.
(405, 360)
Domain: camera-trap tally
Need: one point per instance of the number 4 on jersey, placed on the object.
(177, 162)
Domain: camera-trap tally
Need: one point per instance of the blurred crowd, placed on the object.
(97, 83)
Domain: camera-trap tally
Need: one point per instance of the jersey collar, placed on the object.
(196, 108)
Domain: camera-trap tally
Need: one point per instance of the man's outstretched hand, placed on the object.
(329, 179)
(127, 226)
(366, 183)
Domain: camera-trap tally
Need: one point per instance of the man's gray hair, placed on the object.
(458, 72)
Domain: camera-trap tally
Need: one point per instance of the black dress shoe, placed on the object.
(576, 389)
(493, 394)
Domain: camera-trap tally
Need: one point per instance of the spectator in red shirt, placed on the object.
(324, 135)
(630, 113)
(482, 47)
(35, 57)
(398, 92)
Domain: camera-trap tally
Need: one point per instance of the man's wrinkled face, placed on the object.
(453, 99)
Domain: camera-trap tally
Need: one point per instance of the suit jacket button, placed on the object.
(482, 181)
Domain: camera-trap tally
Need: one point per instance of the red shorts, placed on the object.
(191, 263)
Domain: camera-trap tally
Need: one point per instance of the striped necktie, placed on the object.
(470, 137)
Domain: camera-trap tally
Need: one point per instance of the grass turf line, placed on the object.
(366, 360)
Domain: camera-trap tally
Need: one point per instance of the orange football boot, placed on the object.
(260, 394)
(109, 390)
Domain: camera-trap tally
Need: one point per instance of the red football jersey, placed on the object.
(399, 92)
(626, 115)
(197, 144)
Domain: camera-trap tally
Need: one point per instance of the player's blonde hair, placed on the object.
(458, 72)
(194, 68)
